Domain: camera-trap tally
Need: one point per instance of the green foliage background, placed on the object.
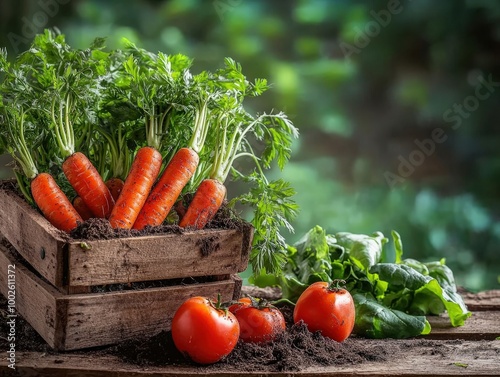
(357, 114)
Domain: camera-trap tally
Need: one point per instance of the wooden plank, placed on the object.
(35, 299)
(482, 325)
(487, 300)
(157, 257)
(108, 318)
(435, 358)
(246, 246)
(38, 242)
(238, 284)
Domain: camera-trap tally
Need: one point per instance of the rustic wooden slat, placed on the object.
(246, 246)
(35, 299)
(465, 358)
(38, 242)
(487, 300)
(156, 257)
(107, 318)
(152, 257)
(482, 325)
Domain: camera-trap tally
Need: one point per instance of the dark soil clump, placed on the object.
(293, 350)
(100, 229)
(297, 348)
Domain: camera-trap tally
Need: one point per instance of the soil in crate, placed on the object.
(100, 229)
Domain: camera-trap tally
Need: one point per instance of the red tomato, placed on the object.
(242, 303)
(259, 325)
(326, 309)
(203, 331)
(258, 322)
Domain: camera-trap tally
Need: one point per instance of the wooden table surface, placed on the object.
(471, 350)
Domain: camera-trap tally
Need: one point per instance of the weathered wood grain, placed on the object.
(487, 300)
(482, 325)
(156, 257)
(36, 301)
(38, 242)
(108, 318)
(449, 359)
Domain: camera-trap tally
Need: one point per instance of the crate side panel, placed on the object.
(108, 318)
(156, 257)
(246, 247)
(36, 240)
(36, 301)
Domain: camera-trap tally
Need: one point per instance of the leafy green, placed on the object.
(391, 298)
(375, 320)
(108, 104)
(365, 250)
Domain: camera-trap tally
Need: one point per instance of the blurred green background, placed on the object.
(365, 82)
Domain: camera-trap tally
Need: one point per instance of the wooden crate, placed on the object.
(55, 276)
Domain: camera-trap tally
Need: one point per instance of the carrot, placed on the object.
(205, 204)
(88, 184)
(143, 173)
(53, 203)
(164, 194)
(115, 186)
(82, 208)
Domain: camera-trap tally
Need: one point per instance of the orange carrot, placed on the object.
(53, 203)
(115, 186)
(88, 184)
(82, 208)
(143, 173)
(205, 204)
(164, 194)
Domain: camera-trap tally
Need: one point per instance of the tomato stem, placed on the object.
(337, 285)
(218, 304)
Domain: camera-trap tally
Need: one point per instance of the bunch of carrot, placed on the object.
(127, 132)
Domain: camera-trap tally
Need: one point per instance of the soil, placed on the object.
(100, 229)
(293, 350)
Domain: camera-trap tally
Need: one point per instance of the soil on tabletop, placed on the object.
(295, 350)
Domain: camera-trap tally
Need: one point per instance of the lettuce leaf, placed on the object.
(392, 299)
(432, 294)
(374, 320)
(364, 250)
